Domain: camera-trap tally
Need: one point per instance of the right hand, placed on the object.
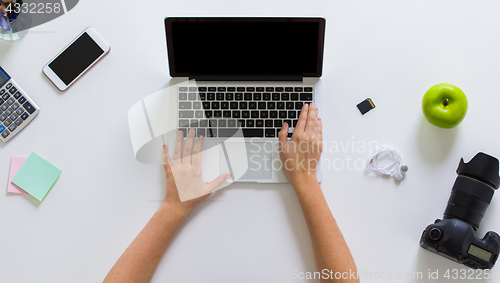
(300, 156)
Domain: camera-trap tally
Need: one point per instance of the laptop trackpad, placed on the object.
(248, 161)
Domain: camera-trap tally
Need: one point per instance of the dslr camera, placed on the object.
(454, 237)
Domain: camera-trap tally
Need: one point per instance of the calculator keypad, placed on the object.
(16, 110)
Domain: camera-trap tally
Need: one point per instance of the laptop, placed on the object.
(237, 80)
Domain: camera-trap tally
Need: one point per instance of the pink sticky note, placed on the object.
(15, 164)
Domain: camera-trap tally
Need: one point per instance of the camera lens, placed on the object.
(473, 189)
(468, 201)
(435, 234)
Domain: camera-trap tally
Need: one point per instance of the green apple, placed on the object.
(444, 105)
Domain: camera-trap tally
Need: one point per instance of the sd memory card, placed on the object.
(365, 106)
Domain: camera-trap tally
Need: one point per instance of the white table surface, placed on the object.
(391, 51)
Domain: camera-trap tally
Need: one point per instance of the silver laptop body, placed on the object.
(236, 81)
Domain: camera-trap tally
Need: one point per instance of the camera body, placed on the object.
(457, 240)
(455, 237)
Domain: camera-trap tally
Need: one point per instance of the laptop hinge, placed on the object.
(245, 78)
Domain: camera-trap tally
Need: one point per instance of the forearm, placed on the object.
(139, 261)
(330, 249)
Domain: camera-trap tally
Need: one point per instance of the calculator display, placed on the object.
(76, 58)
(3, 77)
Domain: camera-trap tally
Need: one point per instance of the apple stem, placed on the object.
(445, 103)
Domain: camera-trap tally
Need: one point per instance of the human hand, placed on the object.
(184, 179)
(300, 156)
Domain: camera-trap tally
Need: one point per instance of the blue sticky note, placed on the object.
(36, 176)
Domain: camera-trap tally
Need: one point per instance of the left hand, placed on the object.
(184, 175)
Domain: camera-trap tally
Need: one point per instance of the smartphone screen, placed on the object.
(76, 58)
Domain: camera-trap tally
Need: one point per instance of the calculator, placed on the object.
(16, 107)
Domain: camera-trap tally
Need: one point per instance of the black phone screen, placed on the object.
(76, 58)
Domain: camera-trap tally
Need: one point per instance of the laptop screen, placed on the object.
(245, 47)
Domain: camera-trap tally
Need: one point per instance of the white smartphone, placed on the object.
(74, 60)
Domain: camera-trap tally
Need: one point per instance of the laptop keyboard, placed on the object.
(258, 111)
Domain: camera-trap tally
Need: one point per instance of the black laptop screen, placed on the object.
(245, 46)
